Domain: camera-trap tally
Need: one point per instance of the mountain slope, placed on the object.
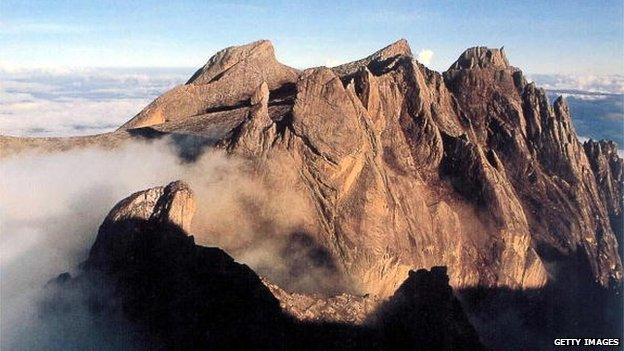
(472, 169)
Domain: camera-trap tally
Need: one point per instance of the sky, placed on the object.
(563, 37)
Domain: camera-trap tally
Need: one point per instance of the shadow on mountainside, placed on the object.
(508, 319)
(575, 306)
(188, 147)
(190, 297)
(177, 295)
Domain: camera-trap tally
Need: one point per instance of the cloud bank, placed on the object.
(613, 84)
(49, 220)
(61, 102)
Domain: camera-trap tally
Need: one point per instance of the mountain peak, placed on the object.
(398, 48)
(261, 50)
(481, 57)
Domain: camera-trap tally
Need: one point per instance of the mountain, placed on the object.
(472, 169)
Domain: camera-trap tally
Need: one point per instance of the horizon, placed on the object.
(74, 35)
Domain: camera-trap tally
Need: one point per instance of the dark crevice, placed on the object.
(235, 133)
(378, 68)
(286, 102)
(236, 106)
(218, 76)
(285, 123)
(285, 91)
(313, 148)
(282, 96)
(188, 147)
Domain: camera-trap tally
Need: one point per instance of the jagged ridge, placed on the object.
(472, 168)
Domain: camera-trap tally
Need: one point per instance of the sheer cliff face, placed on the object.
(536, 145)
(608, 169)
(472, 169)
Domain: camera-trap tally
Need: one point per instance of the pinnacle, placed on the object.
(481, 57)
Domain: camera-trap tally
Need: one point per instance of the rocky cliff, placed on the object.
(608, 169)
(473, 169)
(145, 266)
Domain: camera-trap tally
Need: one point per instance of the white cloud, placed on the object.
(588, 82)
(584, 97)
(332, 62)
(77, 102)
(425, 56)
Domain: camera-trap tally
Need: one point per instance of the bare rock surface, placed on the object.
(343, 308)
(472, 168)
(481, 57)
(226, 82)
(608, 169)
(172, 205)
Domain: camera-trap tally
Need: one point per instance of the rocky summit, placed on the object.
(473, 169)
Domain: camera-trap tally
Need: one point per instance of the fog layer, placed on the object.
(51, 206)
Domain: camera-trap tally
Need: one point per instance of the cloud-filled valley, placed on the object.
(78, 102)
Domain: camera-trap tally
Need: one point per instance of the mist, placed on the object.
(52, 205)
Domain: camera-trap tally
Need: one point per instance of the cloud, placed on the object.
(425, 56)
(332, 62)
(48, 223)
(613, 84)
(58, 102)
(581, 96)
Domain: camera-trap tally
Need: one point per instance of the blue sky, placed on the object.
(572, 37)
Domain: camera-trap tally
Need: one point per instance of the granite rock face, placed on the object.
(481, 57)
(172, 205)
(226, 82)
(473, 169)
(608, 169)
